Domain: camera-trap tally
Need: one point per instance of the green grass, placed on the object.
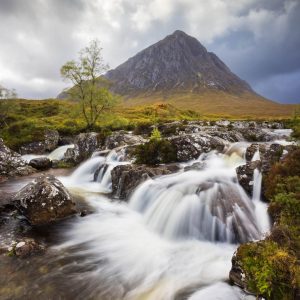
(25, 121)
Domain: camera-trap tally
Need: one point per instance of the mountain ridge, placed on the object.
(178, 62)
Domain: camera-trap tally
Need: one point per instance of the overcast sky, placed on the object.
(258, 39)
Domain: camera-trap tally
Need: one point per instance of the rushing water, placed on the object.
(57, 154)
(173, 240)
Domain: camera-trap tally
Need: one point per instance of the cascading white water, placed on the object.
(205, 205)
(125, 260)
(261, 208)
(57, 154)
(94, 175)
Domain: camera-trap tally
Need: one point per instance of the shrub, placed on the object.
(155, 135)
(154, 152)
(270, 271)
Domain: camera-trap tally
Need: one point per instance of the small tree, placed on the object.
(6, 106)
(89, 88)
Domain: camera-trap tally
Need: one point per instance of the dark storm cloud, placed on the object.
(257, 39)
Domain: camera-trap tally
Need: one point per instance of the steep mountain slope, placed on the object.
(177, 63)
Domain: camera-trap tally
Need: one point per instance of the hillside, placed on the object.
(180, 71)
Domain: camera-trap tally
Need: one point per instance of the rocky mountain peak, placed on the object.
(179, 62)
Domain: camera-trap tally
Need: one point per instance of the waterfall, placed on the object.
(261, 208)
(94, 175)
(205, 205)
(58, 154)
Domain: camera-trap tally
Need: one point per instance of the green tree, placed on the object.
(6, 105)
(89, 87)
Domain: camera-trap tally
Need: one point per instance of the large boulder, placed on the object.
(44, 200)
(125, 178)
(86, 144)
(245, 175)
(41, 163)
(191, 146)
(122, 138)
(51, 139)
(12, 164)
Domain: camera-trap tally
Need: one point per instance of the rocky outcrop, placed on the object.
(269, 154)
(44, 200)
(11, 163)
(190, 147)
(51, 139)
(245, 175)
(85, 145)
(41, 163)
(125, 178)
(122, 138)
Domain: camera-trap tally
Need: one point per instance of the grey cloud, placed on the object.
(40, 35)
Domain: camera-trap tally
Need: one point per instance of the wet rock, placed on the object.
(269, 154)
(125, 178)
(51, 140)
(122, 138)
(12, 164)
(65, 140)
(25, 248)
(191, 146)
(44, 200)
(72, 155)
(198, 166)
(236, 274)
(245, 175)
(41, 163)
(87, 143)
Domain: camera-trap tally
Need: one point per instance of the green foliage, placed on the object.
(156, 151)
(270, 270)
(155, 135)
(271, 266)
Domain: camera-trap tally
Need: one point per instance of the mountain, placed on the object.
(178, 70)
(179, 62)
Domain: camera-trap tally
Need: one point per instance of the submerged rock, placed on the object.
(12, 164)
(41, 163)
(44, 200)
(26, 247)
(125, 178)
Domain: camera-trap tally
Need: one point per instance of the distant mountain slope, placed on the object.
(177, 63)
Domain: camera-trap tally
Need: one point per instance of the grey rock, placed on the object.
(125, 178)
(122, 138)
(33, 148)
(51, 139)
(41, 163)
(44, 200)
(245, 175)
(12, 164)
(191, 146)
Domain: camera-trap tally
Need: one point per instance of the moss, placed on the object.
(270, 271)
(156, 151)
